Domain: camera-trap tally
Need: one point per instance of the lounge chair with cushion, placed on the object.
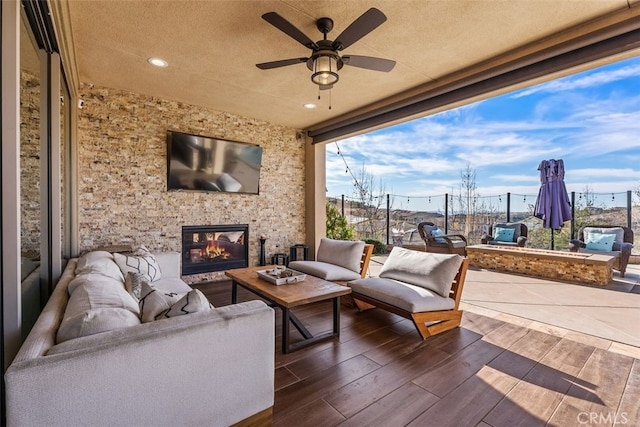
(337, 261)
(506, 234)
(438, 242)
(611, 240)
(420, 286)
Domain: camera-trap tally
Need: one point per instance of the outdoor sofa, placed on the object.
(89, 360)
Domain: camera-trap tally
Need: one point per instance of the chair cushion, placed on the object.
(429, 270)
(408, 297)
(344, 253)
(503, 234)
(615, 254)
(617, 231)
(600, 242)
(324, 270)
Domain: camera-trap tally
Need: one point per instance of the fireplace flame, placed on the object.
(214, 251)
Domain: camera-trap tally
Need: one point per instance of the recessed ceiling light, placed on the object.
(158, 62)
(309, 105)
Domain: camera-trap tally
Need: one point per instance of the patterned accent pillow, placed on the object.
(133, 284)
(144, 263)
(157, 304)
(192, 302)
(153, 302)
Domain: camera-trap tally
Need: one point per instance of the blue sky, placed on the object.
(591, 120)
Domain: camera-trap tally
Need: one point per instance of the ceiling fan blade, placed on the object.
(281, 63)
(367, 22)
(369, 62)
(289, 29)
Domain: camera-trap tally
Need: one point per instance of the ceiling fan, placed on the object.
(325, 61)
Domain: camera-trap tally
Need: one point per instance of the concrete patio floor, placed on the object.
(606, 317)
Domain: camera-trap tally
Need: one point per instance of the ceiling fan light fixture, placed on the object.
(325, 67)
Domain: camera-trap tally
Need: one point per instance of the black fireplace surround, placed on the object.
(207, 248)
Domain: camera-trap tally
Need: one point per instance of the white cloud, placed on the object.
(597, 135)
(582, 81)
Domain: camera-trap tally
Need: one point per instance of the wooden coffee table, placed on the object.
(289, 296)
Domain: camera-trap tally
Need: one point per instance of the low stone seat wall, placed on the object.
(585, 268)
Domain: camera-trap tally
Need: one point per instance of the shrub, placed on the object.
(379, 248)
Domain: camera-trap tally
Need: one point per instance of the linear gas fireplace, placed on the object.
(207, 248)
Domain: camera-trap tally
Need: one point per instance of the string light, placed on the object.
(359, 186)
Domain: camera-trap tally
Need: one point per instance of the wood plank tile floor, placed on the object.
(488, 372)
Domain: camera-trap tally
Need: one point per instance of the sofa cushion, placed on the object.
(92, 293)
(618, 232)
(157, 304)
(344, 253)
(99, 262)
(600, 242)
(503, 234)
(95, 321)
(144, 263)
(169, 263)
(402, 295)
(429, 270)
(97, 306)
(324, 270)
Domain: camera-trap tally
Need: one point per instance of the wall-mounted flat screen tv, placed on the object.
(202, 163)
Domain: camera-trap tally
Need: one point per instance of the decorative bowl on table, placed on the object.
(281, 276)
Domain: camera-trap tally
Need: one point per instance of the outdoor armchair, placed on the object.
(500, 234)
(595, 239)
(438, 242)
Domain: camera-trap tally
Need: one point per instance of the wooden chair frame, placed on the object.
(427, 323)
(367, 253)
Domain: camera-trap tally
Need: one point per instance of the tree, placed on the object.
(371, 209)
(337, 226)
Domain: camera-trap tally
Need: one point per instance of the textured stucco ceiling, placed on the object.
(212, 47)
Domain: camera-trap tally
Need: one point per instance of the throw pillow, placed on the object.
(192, 302)
(153, 302)
(140, 262)
(156, 304)
(133, 284)
(503, 234)
(437, 233)
(600, 242)
(429, 270)
(345, 253)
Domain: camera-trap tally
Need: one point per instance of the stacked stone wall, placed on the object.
(122, 175)
(30, 164)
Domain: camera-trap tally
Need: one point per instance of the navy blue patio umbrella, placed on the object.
(552, 206)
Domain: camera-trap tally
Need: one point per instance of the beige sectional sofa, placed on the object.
(106, 367)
